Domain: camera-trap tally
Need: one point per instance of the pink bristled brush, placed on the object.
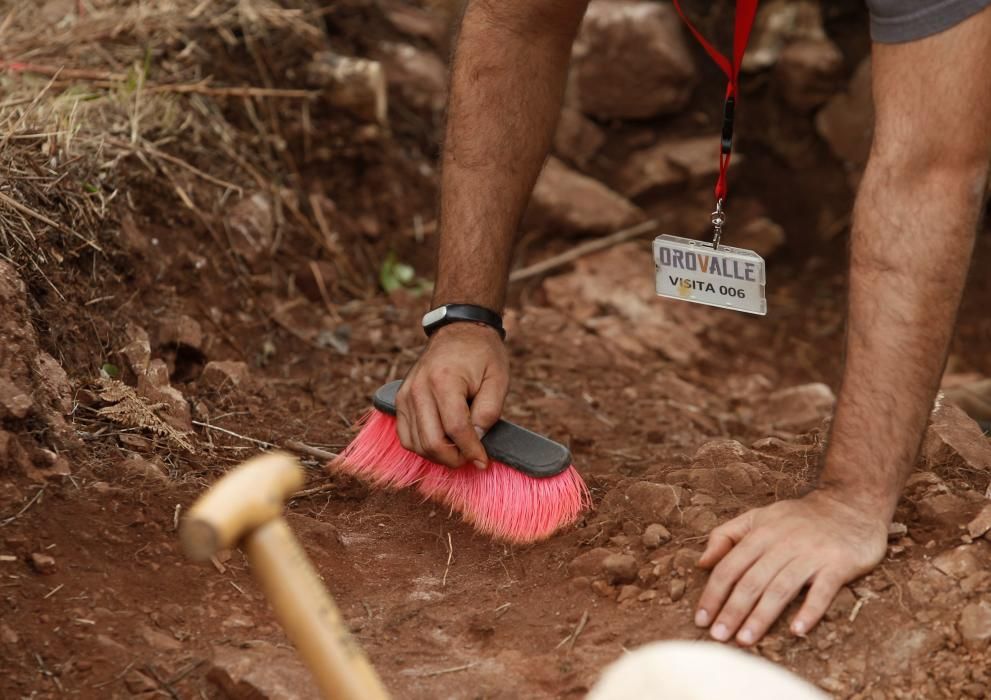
(529, 491)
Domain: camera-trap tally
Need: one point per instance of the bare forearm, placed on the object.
(913, 235)
(909, 261)
(506, 89)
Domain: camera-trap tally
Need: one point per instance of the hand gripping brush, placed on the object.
(529, 491)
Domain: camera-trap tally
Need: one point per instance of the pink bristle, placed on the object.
(376, 455)
(499, 501)
(507, 504)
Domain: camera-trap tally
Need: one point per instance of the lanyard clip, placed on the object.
(718, 221)
(728, 112)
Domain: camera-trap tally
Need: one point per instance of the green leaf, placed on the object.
(112, 371)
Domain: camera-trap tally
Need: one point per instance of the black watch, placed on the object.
(453, 313)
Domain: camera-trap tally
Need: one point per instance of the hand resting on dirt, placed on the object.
(762, 559)
(453, 395)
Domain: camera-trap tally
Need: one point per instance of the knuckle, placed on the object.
(778, 592)
(746, 590)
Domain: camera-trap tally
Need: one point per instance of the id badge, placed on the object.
(726, 277)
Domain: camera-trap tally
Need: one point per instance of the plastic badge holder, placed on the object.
(729, 278)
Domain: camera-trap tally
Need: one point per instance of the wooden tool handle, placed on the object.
(245, 498)
(309, 616)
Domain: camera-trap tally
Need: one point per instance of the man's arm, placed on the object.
(507, 83)
(913, 233)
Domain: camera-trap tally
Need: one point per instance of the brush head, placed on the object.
(375, 455)
(525, 498)
(505, 503)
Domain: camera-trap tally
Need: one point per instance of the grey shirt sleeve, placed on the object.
(896, 21)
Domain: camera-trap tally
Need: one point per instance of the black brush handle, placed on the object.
(516, 447)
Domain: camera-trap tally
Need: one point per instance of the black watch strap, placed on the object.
(454, 313)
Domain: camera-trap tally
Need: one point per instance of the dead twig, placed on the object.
(304, 449)
(233, 434)
(580, 251)
(441, 672)
(450, 556)
(23, 510)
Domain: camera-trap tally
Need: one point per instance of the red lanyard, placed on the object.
(745, 12)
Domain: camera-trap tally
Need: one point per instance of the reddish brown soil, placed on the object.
(443, 612)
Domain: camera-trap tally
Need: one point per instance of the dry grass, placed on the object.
(108, 87)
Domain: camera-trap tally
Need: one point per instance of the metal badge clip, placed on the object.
(718, 221)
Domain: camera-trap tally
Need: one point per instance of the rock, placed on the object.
(418, 74)
(620, 568)
(631, 61)
(906, 646)
(734, 478)
(15, 402)
(676, 589)
(577, 139)
(628, 592)
(647, 596)
(159, 640)
(138, 683)
(110, 644)
(54, 381)
(603, 589)
(565, 200)
(779, 24)
(357, 85)
(671, 163)
(177, 411)
(224, 375)
(135, 465)
(760, 235)
(846, 123)
(980, 525)
(842, 604)
(137, 351)
(797, 409)
(414, 21)
(975, 583)
(251, 227)
(700, 520)
(7, 635)
(156, 374)
(42, 563)
(958, 563)
(183, 331)
(589, 563)
(808, 73)
(721, 453)
(686, 560)
(943, 508)
(646, 575)
(970, 393)
(975, 624)
(655, 535)
(652, 502)
(954, 438)
(13, 456)
(897, 530)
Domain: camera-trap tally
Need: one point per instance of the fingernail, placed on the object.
(719, 632)
(480, 432)
(746, 636)
(480, 464)
(701, 618)
(798, 627)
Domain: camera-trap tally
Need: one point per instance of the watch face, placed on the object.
(434, 315)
